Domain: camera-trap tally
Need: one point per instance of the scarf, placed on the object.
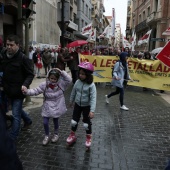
(52, 86)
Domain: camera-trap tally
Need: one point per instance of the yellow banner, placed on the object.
(145, 73)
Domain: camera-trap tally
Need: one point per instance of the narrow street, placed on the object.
(137, 139)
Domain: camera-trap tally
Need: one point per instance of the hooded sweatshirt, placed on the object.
(121, 71)
(54, 101)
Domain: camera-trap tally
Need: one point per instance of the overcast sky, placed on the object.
(120, 9)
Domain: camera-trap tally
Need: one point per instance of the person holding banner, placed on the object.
(86, 51)
(120, 78)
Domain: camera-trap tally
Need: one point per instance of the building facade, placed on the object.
(118, 38)
(44, 28)
(83, 17)
(145, 15)
(8, 19)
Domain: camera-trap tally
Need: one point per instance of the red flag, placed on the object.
(164, 55)
(166, 32)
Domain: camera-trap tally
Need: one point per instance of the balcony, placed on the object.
(92, 14)
(94, 2)
(150, 18)
(153, 17)
(128, 14)
(97, 18)
(141, 26)
(129, 3)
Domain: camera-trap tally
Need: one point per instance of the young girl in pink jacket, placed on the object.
(54, 101)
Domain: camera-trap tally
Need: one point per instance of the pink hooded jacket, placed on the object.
(54, 101)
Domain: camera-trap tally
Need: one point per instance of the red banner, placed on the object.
(164, 55)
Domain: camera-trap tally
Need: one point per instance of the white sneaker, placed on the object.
(107, 99)
(46, 140)
(54, 138)
(124, 107)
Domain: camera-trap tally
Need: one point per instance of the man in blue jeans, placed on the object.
(17, 74)
(8, 155)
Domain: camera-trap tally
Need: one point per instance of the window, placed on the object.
(89, 14)
(83, 6)
(140, 18)
(144, 16)
(86, 10)
(74, 15)
(82, 23)
(156, 5)
(149, 10)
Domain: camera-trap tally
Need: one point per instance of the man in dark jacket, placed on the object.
(17, 74)
(8, 157)
(73, 64)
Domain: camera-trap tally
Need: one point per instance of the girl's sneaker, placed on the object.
(88, 141)
(54, 138)
(46, 140)
(72, 138)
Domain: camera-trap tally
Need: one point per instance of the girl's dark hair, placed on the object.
(89, 76)
(56, 73)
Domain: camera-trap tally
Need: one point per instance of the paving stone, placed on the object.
(137, 139)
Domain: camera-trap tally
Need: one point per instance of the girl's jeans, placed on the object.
(46, 125)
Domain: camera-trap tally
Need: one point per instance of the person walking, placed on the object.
(54, 58)
(83, 96)
(31, 52)
(46, 58)
(54, 105)
(37, 58)
(73, 64)
(120, 77)
(17, 75)
(62, 58)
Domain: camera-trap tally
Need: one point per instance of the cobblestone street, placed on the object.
(137, 139)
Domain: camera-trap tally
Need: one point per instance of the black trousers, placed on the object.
(118, 91)
(74, 74)
(78, 110)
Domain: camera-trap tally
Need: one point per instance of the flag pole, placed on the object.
(95, 43)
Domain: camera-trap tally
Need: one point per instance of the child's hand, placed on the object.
(58, 69)
(91, 115)
(24, 89)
